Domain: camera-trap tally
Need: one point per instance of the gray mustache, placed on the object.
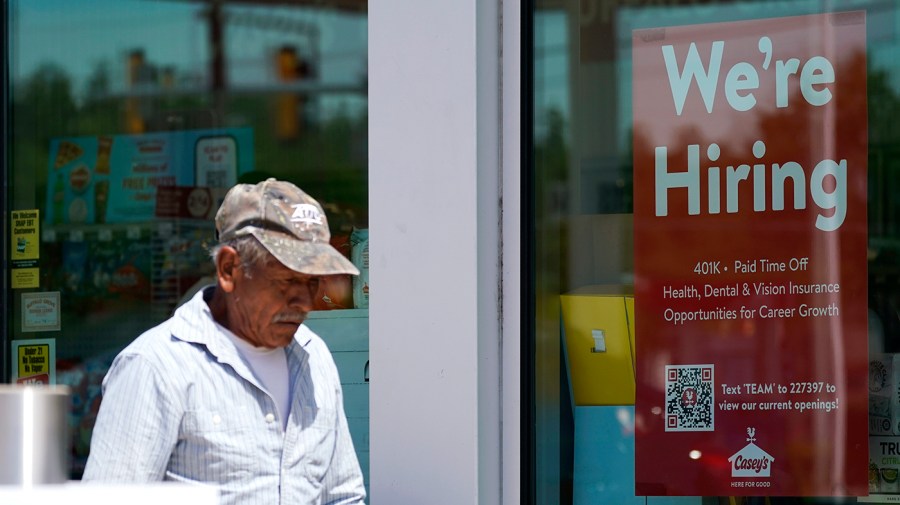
(289, 317)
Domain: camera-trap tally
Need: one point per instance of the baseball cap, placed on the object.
(289, 223)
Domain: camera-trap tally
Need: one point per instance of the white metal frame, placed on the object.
(444, 251)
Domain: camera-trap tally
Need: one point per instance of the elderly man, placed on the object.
(233, 390)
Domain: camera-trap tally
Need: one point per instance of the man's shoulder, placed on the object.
(156, 341)
(188, 325)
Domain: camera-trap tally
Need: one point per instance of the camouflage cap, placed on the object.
(289, 223)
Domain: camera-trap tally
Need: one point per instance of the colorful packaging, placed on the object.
(336, 291)
(884, 465)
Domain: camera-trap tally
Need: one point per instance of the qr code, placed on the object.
(690, 397)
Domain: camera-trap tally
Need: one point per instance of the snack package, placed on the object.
(75, 256)
(119, 267)
(359, 255)
(884, 467)
(335, 292)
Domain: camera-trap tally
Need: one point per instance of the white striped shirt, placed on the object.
(179, 403)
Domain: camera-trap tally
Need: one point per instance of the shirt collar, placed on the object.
(193, 322)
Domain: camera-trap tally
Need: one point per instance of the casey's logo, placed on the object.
(751, 461)
(306, 213)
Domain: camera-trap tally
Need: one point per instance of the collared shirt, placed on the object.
(179, 403)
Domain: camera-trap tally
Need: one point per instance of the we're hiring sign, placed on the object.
(750, 169)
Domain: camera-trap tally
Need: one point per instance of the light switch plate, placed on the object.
(599, 341)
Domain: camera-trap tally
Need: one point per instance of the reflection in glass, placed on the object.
(582, 143)
(176, 93)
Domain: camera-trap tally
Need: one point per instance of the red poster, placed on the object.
(750, 148)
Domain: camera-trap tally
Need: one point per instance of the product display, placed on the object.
(85, 379)
(336, 291)
(884, 397)
(884, 465)
(884, 423)
(359, 241)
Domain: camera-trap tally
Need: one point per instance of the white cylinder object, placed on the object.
(34, 435)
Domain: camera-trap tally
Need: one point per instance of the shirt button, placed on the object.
(216, 419)
(270, 418)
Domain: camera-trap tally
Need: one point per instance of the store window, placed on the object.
(618, 88)
(127, 121)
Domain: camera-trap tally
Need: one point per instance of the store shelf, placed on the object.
(61, 232)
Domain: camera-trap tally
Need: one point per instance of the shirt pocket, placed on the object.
(316, 439)
(217, 445)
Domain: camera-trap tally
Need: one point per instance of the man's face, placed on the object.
(270, 303)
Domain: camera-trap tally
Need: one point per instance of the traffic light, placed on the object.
(134, 120)
(289, 104)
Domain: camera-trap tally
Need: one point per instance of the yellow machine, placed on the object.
(598, 328)
(599, 341)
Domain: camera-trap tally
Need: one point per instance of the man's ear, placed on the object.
(227, 264)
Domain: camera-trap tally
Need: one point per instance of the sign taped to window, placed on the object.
(750, 174)
(34, 361)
